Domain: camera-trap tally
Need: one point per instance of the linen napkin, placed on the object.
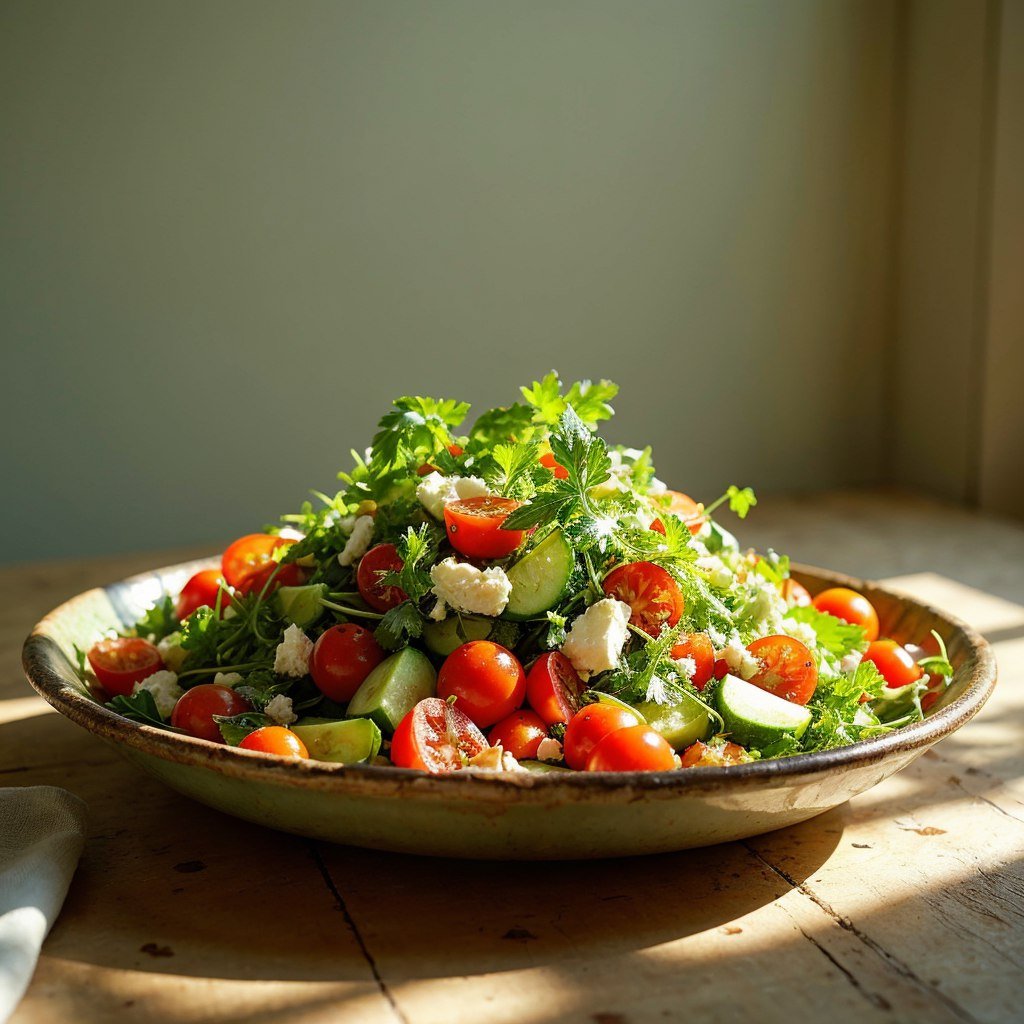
(42, 830)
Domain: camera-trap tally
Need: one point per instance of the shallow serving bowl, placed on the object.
(516, 816)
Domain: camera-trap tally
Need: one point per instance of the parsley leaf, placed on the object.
(235, 728)
(399, 625)
(418, 549)
(512, 469)
(839, 638)
(589, 400)
(416, 426)
(139, 707)
(159, 621)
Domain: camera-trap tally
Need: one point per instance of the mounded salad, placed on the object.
(515, 595)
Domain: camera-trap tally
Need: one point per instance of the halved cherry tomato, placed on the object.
(426, 469)
(895, 663)
(553, 688)
(196, 707)
(122, 662)
(435, 737)
(474, 526)
(787, 668)
(250, 553)
(520, 734)
(589, 726)
(699, 647)
(275, 739)
(201, 589)
(654, 598)
(287, 575)
(851, 607)
(342, 658)
(795, 594)
(700, 755)
(550, 462)
(486, 679)
(683, 506)
(378, 595)
(637, 748)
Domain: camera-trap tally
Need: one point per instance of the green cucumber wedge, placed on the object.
(540, 578)
(394, 688)
(443, 637)
(301, 605)
(754, 717)
(682, 724)
(345, 742)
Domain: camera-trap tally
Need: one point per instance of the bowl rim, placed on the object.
(40, 649)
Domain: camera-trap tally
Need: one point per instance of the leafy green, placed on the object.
(839, 638)
(400, 624)
(587, 399)
(235, 728)
(513, 468)
(159, 621)
(417, 548)
(139, 707)
(416, 426)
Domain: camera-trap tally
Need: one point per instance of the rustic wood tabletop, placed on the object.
(906, 904)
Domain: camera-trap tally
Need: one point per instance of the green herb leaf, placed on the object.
(399, 625)
(159, 621)
(139, 707)
(836, 636)
(235, 728)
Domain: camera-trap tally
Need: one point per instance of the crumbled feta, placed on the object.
(549, 749)
(435, 491)
(163, 685)
(279, 710)
(358, 541)
(171, 651)
(495, 759)
(686, 667)
(802, 631)
(740, 661)
(228, 679)
(292, 655)
(469, 589)
(719, 574)
(851, 661)
(596, 637)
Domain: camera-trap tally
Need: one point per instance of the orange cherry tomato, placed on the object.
(851, 607)
(895, 663)
(549, 461)
(553, 688)
(196, 707)
(275, 739)
(589, 726)
(201, 589)
(795, 594)
(700, 755)
(380, 559)
(342, 658)
(682, 506)
(288, 575)
(637, 748)
(435, 737)
(699, 647)
(787, 668)
(122, 662)
(654, 598)
(249, 554)
(520, 734)
(474, 527)
(486, 679)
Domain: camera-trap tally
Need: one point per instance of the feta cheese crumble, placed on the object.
(292, 655)
(740, 661)
(227, 679)
(279, 710)
(494, 759)
(435, 491)
(802, 631)
(469, 589)
(596, 637)
(358, 541)
(549, 749)
(172, 653)
(163, 685)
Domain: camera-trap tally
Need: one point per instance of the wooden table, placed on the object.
(906, 904)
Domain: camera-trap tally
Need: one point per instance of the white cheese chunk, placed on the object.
(228, 679)
(740, 661)
(163, 685)
(596, 637)
(171, 652)
(435, 491)
(292, 655)
(279, 710)
(469, 589)
(358, 541)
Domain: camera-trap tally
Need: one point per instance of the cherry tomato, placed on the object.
(550, 462)
(342, 658)
(895, 663)
(589, 726)
(122, 662)
(721, 669)
(249, 553)
(378, 595)
(553, 688)
(700, 755)
(486, 679)
(196, 707)
(683, 506)
(787, 668)
(435, 737)
(520, 734)
(288, 575)
(637, 748)
(275, 739)
(474, 527)
(851, 607)
(654, 598)
(201, 589)
(699, 647)
(795, 594)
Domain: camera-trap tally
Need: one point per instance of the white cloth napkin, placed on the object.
(42, 830)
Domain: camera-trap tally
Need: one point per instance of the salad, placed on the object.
(513, 595)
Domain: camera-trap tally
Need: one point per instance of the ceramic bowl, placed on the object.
(514, 816)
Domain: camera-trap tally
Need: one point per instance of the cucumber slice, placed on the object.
(754, 717)
(540, 578)
(443, 637)
(301, 605)
(345, 742)
(394, 688)
(681, 724)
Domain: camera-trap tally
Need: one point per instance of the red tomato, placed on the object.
(795, 594)
(683, 506)
(851, 607)
(637, 748)
(201, 589)
(485, 678)
(196, 707)
(342, 658)
(589, 726)
(122, 662)
(474, 527)
(548, 460)
(435, 737)
(699, 647)
(275, 739)
(787, 668)
(700, 755)
(553, 688)
(520, 734)
(289, 575)
(653, 596)
(378, 595)
(895, 663)
(249, 553)
(721, 669)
